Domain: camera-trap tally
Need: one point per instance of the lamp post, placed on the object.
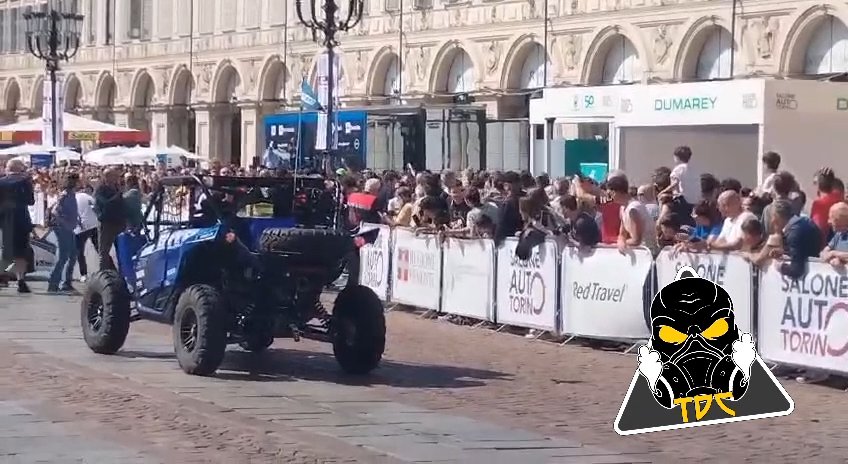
(53, 36)
(326, 20)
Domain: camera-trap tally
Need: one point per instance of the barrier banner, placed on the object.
(374, 261)
(417, 269)
(527, 290)
(730, 271)
(804, 322)
(468, 282)
(602, 292)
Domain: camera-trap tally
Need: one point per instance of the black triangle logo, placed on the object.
(662, 406)
(640, 412)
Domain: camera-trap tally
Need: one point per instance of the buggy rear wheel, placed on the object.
(200, 334)
(105, 312)
(358, 330)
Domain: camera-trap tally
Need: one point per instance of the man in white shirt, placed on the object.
(86, 229)
(730, 237)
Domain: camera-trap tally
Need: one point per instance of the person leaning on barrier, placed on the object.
(583, 230)
(755, 248)
(637, 227)
(730, 237)
(668, 233)
(836, 251)
(801, 239)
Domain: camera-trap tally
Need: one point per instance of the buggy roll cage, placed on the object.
(230, 184)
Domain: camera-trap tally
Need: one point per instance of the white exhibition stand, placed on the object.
(728, 125)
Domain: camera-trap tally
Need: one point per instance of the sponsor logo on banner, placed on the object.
(418, 267)
(749, 101)
(526, 289)
(685, 104)
(698, 368)
(786, 101)
(598, 291)
(815, 315)
(373, 261)
(842, 104)
(527, 285)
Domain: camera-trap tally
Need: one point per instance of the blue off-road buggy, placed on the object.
(230, 260)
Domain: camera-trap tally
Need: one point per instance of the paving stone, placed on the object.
(307, 422)
(518, 444)
(371, 430)
(408, 450)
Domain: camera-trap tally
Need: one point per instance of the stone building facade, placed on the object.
(204, 72)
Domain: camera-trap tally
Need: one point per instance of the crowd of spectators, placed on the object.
(680, 208)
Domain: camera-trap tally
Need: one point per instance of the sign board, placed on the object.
(804, 322)
(417, 269)
(469, 264)
(595, 171)
(597, 305)
(374, 261)
(527, 290)
(298, 132)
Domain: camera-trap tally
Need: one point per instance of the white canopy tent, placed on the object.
(23, 152)
(728, 125)
(138, 156)
(70, 122)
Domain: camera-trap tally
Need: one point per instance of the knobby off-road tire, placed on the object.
(105, 312)
(358, 330)
(318, 247)
(200, 350)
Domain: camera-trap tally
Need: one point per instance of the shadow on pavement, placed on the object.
(288, 364)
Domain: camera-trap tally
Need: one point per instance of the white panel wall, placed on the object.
(725, 151)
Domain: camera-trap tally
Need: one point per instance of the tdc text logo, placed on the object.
(698, 368)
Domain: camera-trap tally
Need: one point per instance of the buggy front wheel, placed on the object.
(358, 330)
(200, 334)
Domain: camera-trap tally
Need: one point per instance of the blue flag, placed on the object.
(308, 97)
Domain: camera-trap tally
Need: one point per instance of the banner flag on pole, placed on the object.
(308, 97)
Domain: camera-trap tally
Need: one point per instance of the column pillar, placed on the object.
(549, 126)
(251, 139)
(122, 19)
(102, 22)
(22, 115)
(178, 120)
(122, 116)
(159, 127)
(202, 121)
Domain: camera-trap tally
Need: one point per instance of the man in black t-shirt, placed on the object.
(111, 212)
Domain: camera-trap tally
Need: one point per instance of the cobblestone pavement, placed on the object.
(445, 393)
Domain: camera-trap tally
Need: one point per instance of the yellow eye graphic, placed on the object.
(719, 328)
(670, 335)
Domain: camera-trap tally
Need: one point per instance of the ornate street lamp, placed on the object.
(53, 36)
(326, 20)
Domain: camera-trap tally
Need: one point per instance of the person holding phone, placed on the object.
(708, 224)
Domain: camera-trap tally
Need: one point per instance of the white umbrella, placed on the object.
(105, 156)
(63, 154)
(151, 155)
(28, 149)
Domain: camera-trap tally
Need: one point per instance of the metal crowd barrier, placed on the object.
(603, 294)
